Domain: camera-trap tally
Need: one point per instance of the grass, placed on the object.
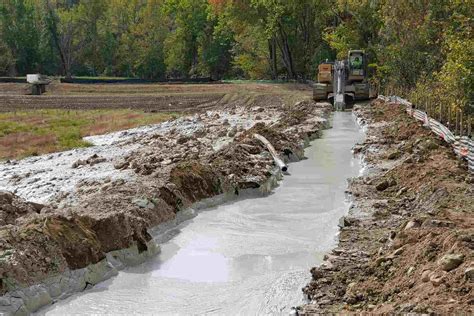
(30, 133)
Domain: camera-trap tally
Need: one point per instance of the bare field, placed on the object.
(149, 97)
(58, 120)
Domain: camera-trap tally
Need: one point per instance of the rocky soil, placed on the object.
(164, 170)
(407, 244)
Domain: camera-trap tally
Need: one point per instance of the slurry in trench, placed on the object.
(250, 256)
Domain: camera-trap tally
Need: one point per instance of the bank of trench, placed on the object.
(249, 256)
(97, 206)
(406, 245)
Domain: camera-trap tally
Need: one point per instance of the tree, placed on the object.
(20, 33)
(189, 20)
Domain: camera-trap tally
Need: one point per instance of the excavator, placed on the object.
(343, 82)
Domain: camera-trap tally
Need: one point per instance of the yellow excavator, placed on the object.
(343, 82)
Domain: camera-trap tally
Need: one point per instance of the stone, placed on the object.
(182, 140)
(232, 132)
(402, 191)
(144, 203)
(79, 163)
(436, 280)
(425, 276)
(451, 261)
(469, 274)
(412, 224)
(393, 155)
(382, 186)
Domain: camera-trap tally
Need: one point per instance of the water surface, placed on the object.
(251, 256)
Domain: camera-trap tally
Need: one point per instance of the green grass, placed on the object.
(37, 132)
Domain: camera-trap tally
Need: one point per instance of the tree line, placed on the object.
(421, 48)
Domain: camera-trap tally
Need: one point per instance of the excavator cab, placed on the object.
(357, 65)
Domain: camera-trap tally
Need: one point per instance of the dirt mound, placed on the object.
(196, 181)
(407, 244)
(198, 157)
(13, 208)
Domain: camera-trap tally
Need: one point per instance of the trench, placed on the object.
(249, 256)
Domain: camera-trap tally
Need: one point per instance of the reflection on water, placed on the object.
(251, 256)
(196, 262)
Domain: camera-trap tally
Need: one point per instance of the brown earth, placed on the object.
(406, 246)
(148, 97)
(173, 171)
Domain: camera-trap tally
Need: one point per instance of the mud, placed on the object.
(106, 198)
(406, 245)
(250, 255)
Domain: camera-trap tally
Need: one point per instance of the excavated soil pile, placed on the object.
(173, 170)
(406, 246)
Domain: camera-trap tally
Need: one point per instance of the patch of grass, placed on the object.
(30, 133)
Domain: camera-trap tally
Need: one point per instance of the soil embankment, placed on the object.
(406, 245)
(161, 172)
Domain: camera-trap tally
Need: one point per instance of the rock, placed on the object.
(406, 308)
(232, 132)
(144, 203)
(222, 133)
(438, 223)
(410, 270)
(346, 222)
(316, 273)
(469, 179)
(121, 165)
(6, 197)
(382, 186)
(401, 191)
(380, 204)
(182, 140)
(425, 276)
(357, 149)
(451, 261)
(393, 155)
(436, 280)
(412, 224)
(469, 274)
(78, 163)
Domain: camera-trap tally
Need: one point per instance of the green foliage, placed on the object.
(20, 32)
(6, 59)
(420, 48)
(26, 133)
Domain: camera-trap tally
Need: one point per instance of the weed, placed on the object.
(35, 132)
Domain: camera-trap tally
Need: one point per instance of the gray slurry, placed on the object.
(249, 256)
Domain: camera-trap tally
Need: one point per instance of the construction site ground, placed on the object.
(406, 245)
(66, 211)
